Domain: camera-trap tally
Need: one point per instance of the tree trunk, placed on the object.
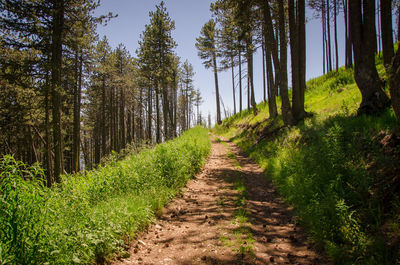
(77, 117)
(233, 86)
(122, 141)
(328, 27)
(158, 130)
(324, 61)
(336, 39)
(56, 64)
(286, 111)
(362, 23)
(240, 82)
(103, 117)
(263, 68)
(48, 160)
(273, 109)
(250, 75)
(395, 84)
(297, 47)
(149, 115)
(219, 121)
(387, 34)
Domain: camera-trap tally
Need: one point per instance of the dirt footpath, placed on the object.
(228, 214)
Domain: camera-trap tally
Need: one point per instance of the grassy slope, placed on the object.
(89, 216)
(339, 170)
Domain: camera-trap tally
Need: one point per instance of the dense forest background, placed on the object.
(69, 100)
(68, 97)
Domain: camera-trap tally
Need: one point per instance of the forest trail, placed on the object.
(228, 214)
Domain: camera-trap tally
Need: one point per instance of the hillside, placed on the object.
(340, 171)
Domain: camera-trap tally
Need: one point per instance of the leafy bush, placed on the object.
(88, 216)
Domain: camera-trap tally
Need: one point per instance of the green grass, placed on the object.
(89, 216)
(332, 168)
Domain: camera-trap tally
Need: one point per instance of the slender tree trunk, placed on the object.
(350, 46)
(158, 130)
(149, 114)
(324, 53)
(122, 118)
(379, 35)
(240, 82)
(387, 34)
(233, 85)
(273, 109)
(263, 67)
(301, 17)
(129, 126)
(328, 27)
(56, 64)
(250, 75)
(394, 83)
(112, 124)
(219, 121)
(77, 116)
(286, 111)
(362, 21)
(48, 160)
(336, 39)
(103, 117)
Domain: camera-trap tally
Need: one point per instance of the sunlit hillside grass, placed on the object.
(87, 218)
(340, 171)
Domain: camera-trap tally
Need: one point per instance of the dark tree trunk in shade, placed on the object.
(56, 65)
(348, 46)
(48, 157)
(297, 47)
(394, 83)
(362, 26)
(387, 34)
(77, 115)
(271, 44)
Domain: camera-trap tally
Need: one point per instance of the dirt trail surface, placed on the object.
(228, 214)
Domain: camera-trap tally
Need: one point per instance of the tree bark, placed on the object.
(103, 117)
(219, 121)
(240, 82)
(263, 69)
(77, 116)
(56, 64)
(233, 86)
(328, 28)
(336, 39)
(286, 111)
(297, 47)
(362, 23)
(387, 34)
(394, 82)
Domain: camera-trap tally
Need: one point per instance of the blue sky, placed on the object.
(189, 17)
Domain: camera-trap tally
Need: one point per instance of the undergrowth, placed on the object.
(87, 218)
(340, 171)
